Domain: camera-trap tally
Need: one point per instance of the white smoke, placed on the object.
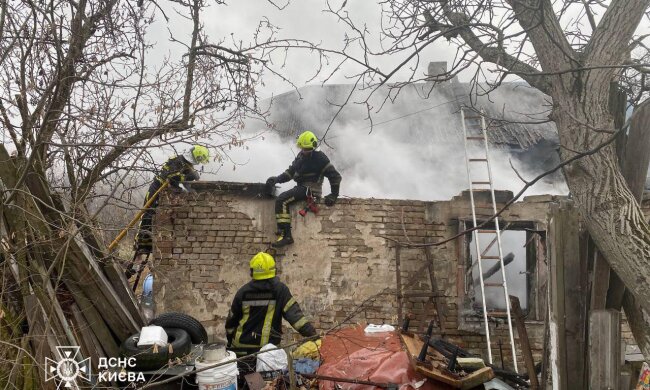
(402, 158)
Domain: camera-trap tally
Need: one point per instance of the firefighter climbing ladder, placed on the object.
(474, 130)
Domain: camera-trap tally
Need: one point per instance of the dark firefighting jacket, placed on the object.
(309, 170)
(255, 317)
(177, 170)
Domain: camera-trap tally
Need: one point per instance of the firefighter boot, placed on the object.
(284, 237)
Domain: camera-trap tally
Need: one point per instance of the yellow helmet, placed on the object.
(201, 154)
(262, 266)
(307, 140)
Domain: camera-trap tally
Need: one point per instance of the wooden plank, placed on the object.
(81, 259)
(556, 301)
(77, 265)
(40, 339)
(87, 339)
(398, 282)
(604, 349)
(434, 289)
(524, 344)
(477, 378)
(413, 346)
(575, 305)
(601, 280)
(94, 320)
(634, 166)
(568, 289)
(546, 352)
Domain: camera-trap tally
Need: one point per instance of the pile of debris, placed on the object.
(59, 284)
(370, 357)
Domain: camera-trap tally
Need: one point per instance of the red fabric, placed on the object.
(352, 354)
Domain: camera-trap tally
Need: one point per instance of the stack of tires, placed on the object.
(182, 331)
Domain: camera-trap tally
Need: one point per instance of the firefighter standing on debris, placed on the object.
(255, 317)
(176, 170)
(308, 170)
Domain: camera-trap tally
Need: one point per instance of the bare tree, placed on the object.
(573, 51)
(84, 101)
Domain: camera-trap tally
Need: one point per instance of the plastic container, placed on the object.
(147, 286)
(218, 378)
(215, 352)
(147, 303)
(150, 335)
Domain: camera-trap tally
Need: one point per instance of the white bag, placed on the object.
(271, 360)
(372, 328)
(150, 335)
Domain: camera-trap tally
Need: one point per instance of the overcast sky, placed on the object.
(304, 19)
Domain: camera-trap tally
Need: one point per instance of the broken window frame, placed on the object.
(536, 264)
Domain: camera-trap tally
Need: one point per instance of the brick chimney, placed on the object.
(436, 68)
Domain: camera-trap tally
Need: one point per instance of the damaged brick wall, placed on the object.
(342, 266)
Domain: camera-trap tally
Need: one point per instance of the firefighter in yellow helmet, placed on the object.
(255, 317)
(308, 170)
(176, 170)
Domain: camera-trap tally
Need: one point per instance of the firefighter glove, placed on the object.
(310, 350)
(330, 200)
(270, 185)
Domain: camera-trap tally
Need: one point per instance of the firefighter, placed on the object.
(255, 317)
(308, 170)
(176, 170)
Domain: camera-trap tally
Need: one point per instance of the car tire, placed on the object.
(183, 321)
(146, 359)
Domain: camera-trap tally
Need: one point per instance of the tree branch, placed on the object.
(617, 25)
(497, 56)
(538, 19)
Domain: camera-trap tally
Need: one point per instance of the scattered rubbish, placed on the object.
(379, 358)
(255, 381)
(305, 366)
(271, 359)
(309, 349)
(154, 357)
(443, 369)
(470, 363)
(372, 328)
(147, 286)
(644, 378)
(147, 303)
(152, 335)
(497, 384)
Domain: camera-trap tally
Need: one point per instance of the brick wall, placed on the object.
(342, 266)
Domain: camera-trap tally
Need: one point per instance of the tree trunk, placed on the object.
(612, 215)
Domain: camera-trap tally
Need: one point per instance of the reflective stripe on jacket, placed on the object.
(255, 317)
(311, 168)
(177, 170)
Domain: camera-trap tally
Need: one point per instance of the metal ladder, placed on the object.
(473, 131)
